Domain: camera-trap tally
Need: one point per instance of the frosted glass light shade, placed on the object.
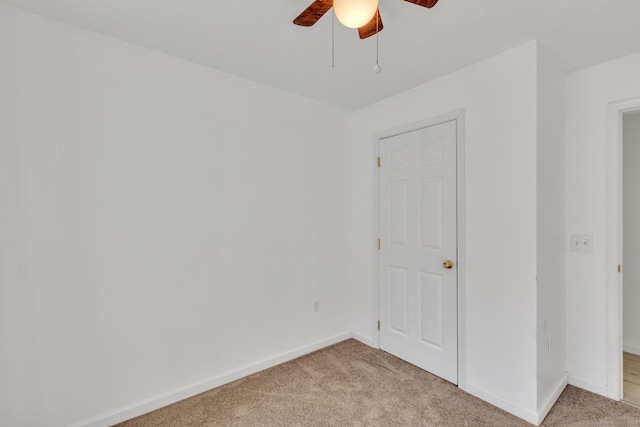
(355, 13)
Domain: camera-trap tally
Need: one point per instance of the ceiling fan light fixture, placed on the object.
(355, 13)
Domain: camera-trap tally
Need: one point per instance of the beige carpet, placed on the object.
(351, 384)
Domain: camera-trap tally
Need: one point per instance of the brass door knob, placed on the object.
(448, 264)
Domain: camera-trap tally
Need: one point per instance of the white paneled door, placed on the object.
(418, 248)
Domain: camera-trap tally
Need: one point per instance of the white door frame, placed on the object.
(614, 244)
(458, 116)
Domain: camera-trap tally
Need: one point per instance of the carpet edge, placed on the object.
(588, 385)
(151, 404)
(553, 398)
(514, 408)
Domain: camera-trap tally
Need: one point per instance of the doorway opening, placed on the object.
(617, 233)
(630, 238)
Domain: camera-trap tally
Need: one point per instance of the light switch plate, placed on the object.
(581, 243)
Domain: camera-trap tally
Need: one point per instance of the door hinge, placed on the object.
(378, 161)
(378, 325)
(619, 268)
(378, 244)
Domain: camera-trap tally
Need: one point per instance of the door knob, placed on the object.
(448, 264)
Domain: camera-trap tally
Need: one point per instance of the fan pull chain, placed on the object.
(377, 68)
(333, 39)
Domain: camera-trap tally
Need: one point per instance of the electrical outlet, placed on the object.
(316, 306)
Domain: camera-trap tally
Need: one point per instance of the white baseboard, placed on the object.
(176, 395)
(542, 413)
(630, 348)
(587, 385)
(503, 403)
(364, 340)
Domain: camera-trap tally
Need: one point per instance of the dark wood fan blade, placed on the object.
(370, 29)
(424, 3)
(313, 13)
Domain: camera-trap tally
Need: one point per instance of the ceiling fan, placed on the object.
(318, 8)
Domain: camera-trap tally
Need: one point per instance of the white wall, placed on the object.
(631, 232)
(589, 92)
(499, 99)
(161, 223)
(551, 246)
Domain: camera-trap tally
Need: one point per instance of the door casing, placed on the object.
(613, 244)
(458, 116)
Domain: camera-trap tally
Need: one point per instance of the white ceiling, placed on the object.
(258, 41)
